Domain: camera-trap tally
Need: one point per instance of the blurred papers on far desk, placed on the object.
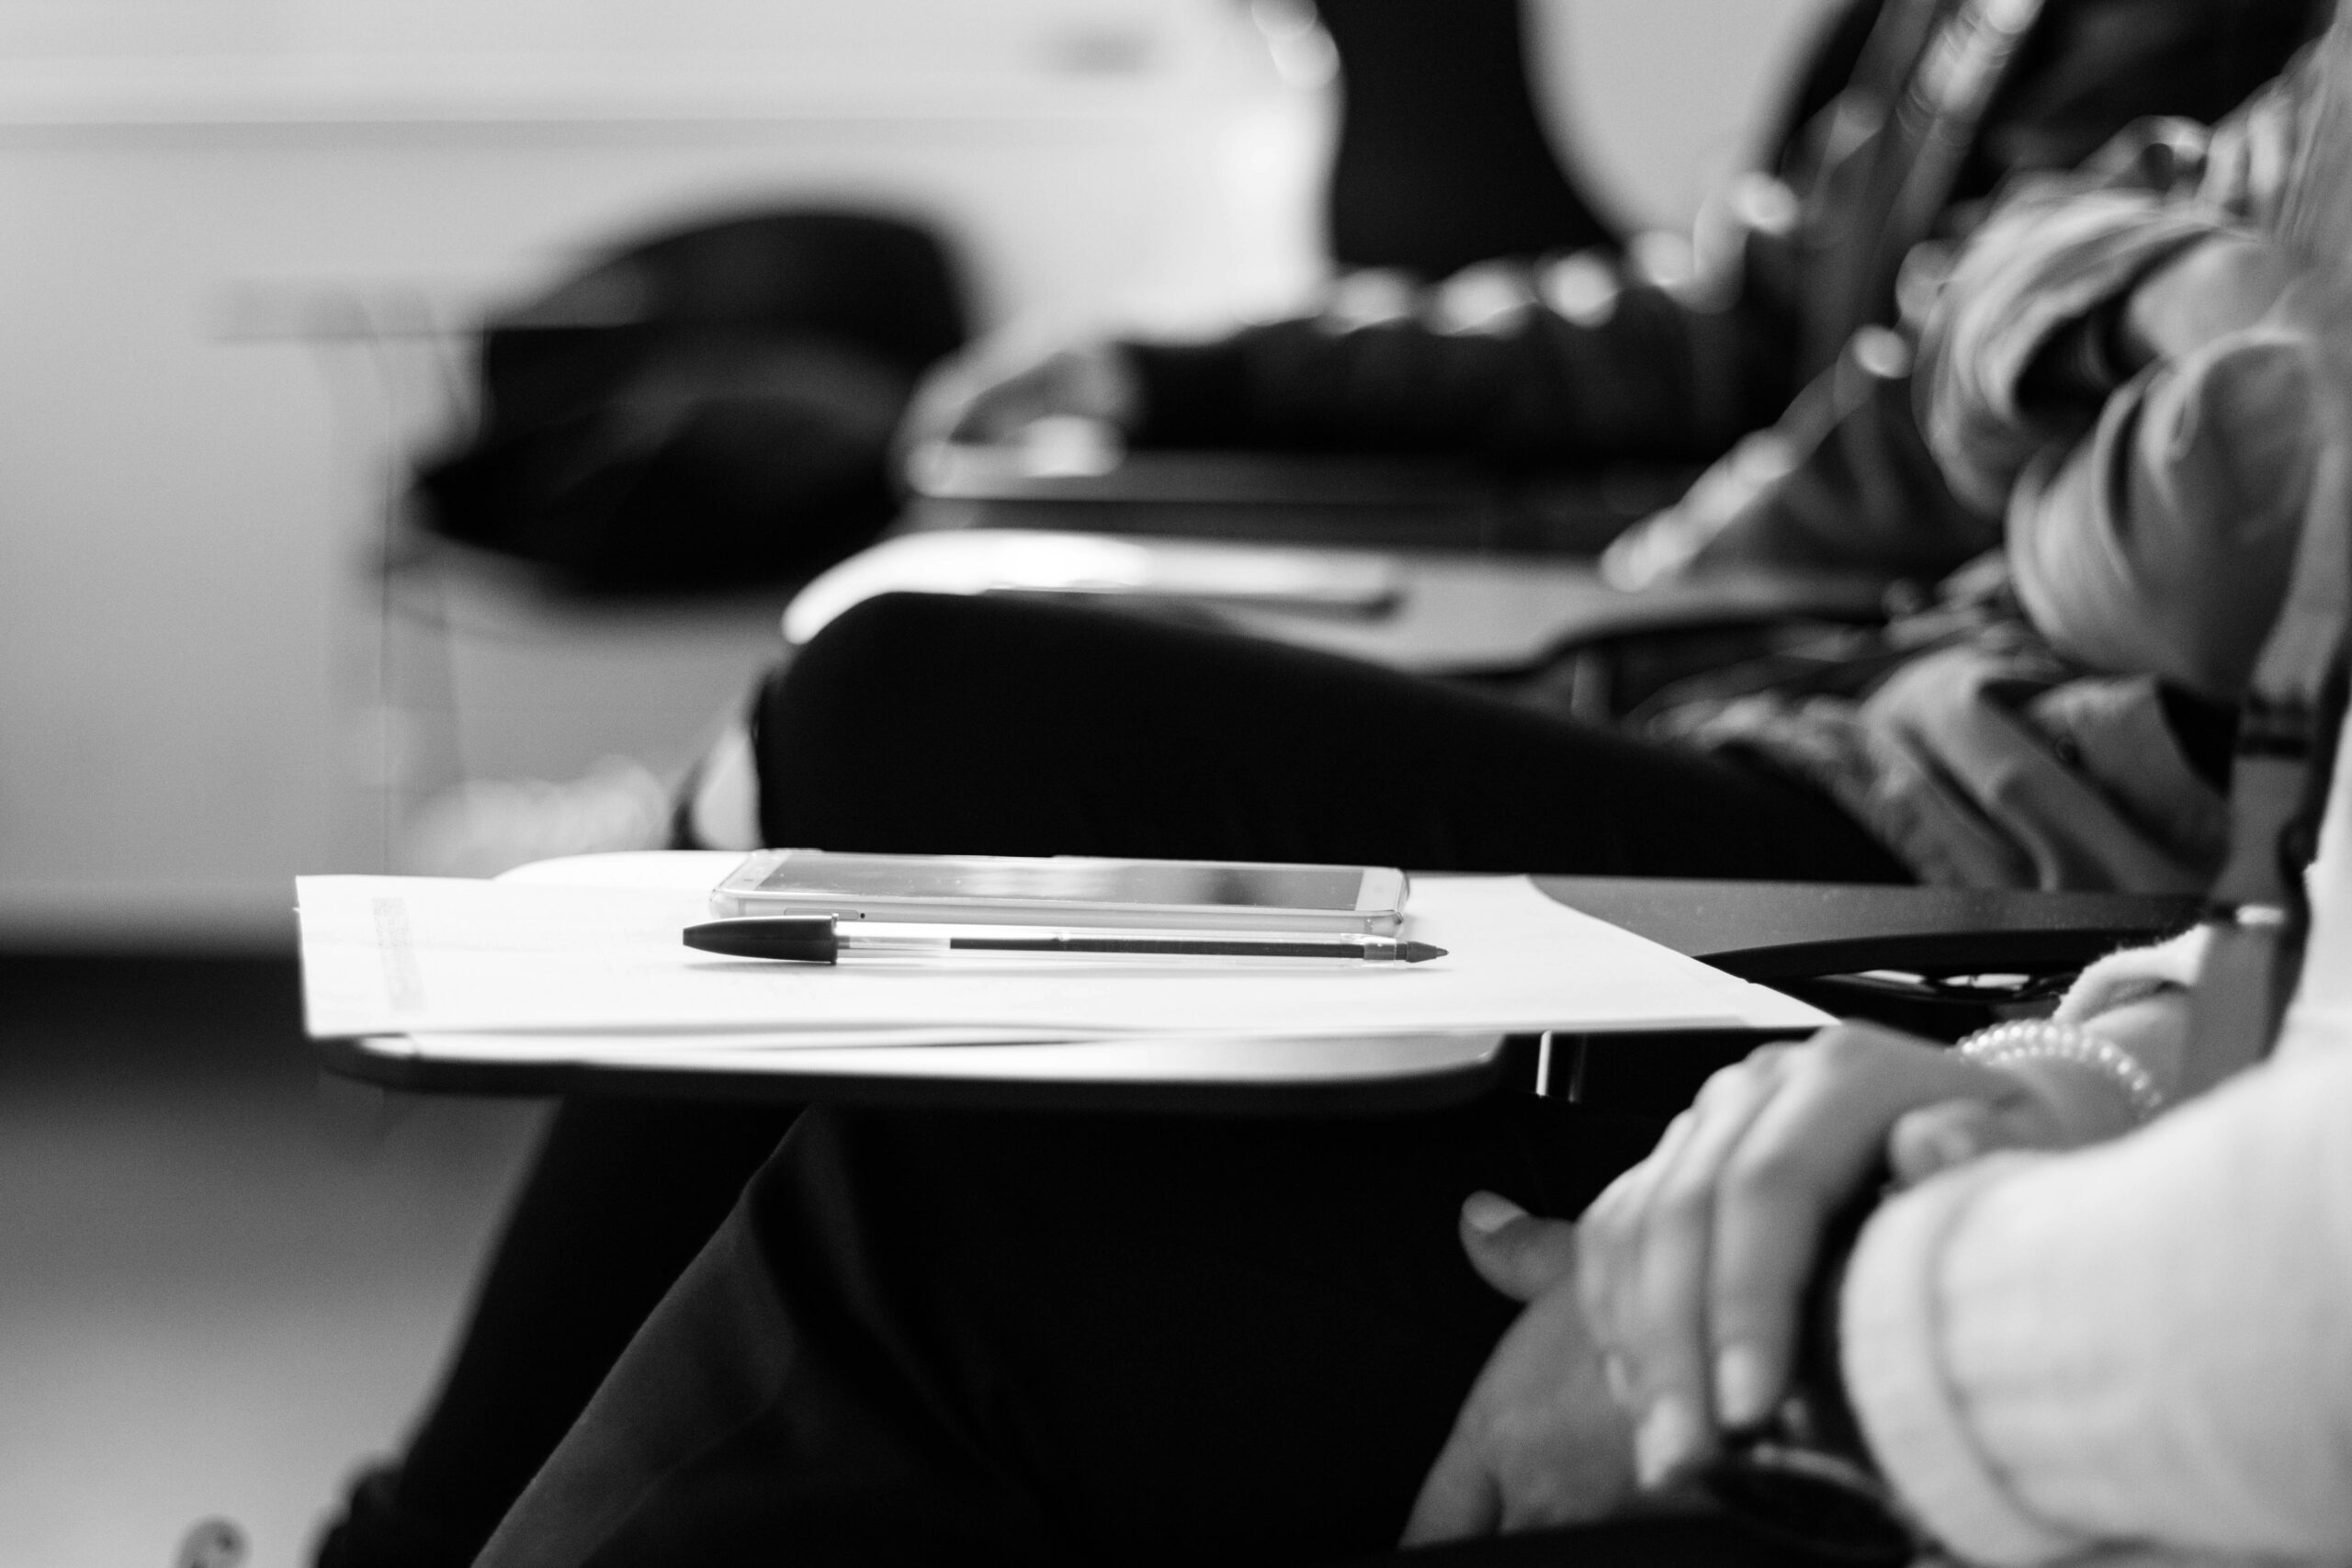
(403, 955)
(1432, 611)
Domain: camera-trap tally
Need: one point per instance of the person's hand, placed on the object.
(1692, 1265)
(2219, 286)
(1538, 1442)
(996, 390)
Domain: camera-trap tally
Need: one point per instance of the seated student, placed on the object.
(1923, 110)
(623, 1193)
(2138, 1348)
(1069, 1338)
(952, 1339)
(2140, 1345)
(2101, 380)
(1051, 1339)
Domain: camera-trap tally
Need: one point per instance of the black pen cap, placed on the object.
(799, 939)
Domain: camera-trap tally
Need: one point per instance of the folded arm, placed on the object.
(2143, 1344)
(2068, 289)
(2114, 366)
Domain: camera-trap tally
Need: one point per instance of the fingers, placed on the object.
(1693, 1266)
(1646, 1246)
(1537, 1442)
(1459, 1499)
(1820, 1145)
(1931, 1141)
(1518, 1254)
(1662, 1326)
(1935, 1138)
(1805, 1153)
(1609, 1238)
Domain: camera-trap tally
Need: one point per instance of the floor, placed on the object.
(225, 1282)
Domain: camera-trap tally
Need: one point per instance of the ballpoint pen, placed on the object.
(821, 939)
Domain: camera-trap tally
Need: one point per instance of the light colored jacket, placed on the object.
(2146, 1345)
(2142, 1351)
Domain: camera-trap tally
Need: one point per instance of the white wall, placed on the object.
(1663, 97)
(193, 448)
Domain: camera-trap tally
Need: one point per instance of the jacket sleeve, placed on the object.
(2050, 263)
(2012, 359)
(2149, 514)
(1635, 372)
(2141, 1344)
(2161, 542)
(1842, 482)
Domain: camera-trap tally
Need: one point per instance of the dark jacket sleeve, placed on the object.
(1849, 478)
(1842, 482)
(1644, 374)
(1680, 376)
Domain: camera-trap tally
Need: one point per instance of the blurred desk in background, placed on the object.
(1438, 611)
(1427, 565)
(1287, 498)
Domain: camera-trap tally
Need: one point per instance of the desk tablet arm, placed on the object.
(1934, 962)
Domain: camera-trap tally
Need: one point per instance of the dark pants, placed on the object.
(929, 725)
(981, 726)
(970, 1338)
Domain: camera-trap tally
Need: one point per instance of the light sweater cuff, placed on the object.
(2125, 976)
(1890, 1334)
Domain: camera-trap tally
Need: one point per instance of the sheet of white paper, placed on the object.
(400, 954)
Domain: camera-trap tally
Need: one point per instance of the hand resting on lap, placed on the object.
(1670, 1311)
(1693, 1265)
(1539, 1442)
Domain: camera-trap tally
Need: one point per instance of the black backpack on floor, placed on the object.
(706, 409)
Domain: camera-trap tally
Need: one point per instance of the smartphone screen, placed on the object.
(1171, 883)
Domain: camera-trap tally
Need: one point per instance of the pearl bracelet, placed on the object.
(2047, 1040)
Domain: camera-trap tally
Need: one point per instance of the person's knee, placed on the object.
(891, 691)
(874, 658)
(871, 638)
(890, 653)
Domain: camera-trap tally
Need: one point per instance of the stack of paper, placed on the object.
(583, 960)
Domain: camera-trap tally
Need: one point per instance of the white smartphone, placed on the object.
(1170, 895)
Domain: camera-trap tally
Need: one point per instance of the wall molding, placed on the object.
(758, 90)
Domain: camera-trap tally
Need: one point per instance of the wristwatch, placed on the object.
(1804, 1474)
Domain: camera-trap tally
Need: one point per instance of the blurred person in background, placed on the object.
(1907, 118)
(1773, 345)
